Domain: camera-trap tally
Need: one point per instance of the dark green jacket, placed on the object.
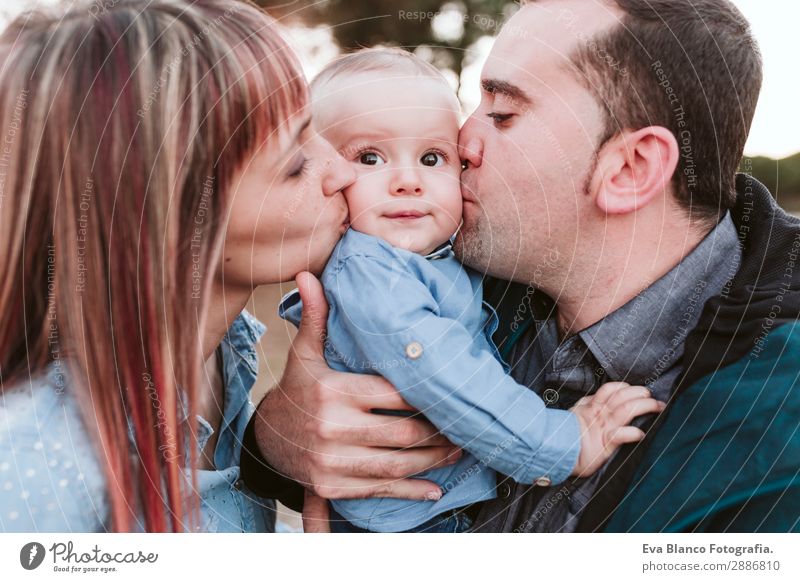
(725, 455)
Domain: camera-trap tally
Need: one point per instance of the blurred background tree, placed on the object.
(440, 31)
(782, 177)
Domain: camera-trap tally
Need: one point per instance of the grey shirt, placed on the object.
(639, 343)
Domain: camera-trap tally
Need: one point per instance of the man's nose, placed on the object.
(406, 182)
(338, 175)
(470, 145)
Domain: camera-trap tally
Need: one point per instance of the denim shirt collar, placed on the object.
(239, 371)
(646, 335)
(443, 251)
(292, 298)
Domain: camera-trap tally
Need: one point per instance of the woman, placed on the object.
(157, 166)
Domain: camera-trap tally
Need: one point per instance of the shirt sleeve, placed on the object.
(384, 320)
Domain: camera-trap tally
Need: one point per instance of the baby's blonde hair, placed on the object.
(373, 60)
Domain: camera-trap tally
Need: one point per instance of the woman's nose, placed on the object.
(470, 146)
(338, 175)
(406, 182)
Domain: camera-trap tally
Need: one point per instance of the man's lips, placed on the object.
(405, 214)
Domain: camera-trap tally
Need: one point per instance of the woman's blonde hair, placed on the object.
(123, 123)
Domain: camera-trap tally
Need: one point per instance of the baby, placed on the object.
(403, 307)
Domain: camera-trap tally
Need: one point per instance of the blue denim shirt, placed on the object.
(420, 322)
(50, 477)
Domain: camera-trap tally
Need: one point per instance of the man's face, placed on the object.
(531, 145)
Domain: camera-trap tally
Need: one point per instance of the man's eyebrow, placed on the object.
(510, 90)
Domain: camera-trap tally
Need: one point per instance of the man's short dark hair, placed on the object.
(691, 66)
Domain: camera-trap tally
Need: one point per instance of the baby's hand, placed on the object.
(604, 420)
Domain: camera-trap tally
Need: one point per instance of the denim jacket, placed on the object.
(420, 322)
(50, 476)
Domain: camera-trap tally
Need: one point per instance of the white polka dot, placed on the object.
(24, 494)
(80, 476)
(45, 491)
(63, 483)
(30, 473)
(8, 486)
(68, 465)
(50, 506)
(57, 446)
(38, 446)
(13, 515)
(4, 467)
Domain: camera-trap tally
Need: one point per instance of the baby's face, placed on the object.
(401, 135)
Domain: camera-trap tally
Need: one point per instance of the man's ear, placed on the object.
(635, 168)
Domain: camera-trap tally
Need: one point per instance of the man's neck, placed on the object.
(616, 279)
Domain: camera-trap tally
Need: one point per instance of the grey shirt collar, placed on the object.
(645, 336)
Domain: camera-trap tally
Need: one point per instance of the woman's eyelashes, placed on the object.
(298, 167)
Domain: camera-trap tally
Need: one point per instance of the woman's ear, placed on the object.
(635, 168)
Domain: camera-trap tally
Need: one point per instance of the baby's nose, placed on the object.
(407, 183)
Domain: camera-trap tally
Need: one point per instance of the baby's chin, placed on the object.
(413, 242)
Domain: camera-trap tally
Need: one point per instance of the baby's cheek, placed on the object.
(360, 212)
(454, 207)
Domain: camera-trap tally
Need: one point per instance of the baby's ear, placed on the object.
(634, 168)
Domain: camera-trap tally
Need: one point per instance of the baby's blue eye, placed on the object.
(432, 159)
(370, 159)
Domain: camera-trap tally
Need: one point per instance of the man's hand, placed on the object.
(317, 428)
(316, 514)
(604, 419)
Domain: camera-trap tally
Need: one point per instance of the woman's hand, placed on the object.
(317, 428)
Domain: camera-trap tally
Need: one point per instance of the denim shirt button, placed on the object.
(238, 484)
(542, 482)
(550, 396)
(414, 350)
(504, 491)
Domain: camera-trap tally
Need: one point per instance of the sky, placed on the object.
(776, 127)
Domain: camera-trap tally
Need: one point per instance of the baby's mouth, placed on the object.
(405, 215)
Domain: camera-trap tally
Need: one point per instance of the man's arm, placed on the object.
(263, 479)
(316, 429)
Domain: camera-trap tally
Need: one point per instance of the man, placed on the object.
(600, 182)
